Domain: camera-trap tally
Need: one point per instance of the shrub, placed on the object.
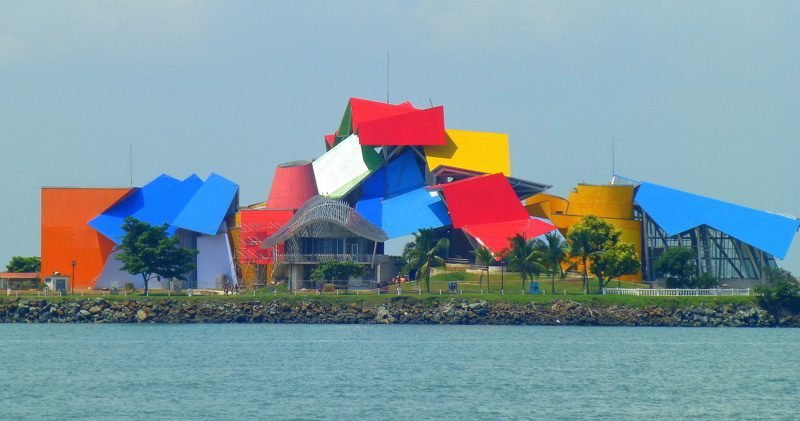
(781, 296)
(706, 280)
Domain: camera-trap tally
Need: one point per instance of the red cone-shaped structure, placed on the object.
(293, 184)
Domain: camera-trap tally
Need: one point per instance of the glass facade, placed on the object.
(716, 252)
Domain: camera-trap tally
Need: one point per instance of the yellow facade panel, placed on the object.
(546, 203)
(605, 201)
(475, 151)
(613, 204)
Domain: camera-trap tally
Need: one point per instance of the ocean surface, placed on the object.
(167, 372)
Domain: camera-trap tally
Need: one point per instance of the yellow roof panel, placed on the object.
(477, 151)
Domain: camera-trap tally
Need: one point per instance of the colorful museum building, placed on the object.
(388, 171)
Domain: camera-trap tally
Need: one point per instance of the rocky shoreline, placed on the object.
(395, 311)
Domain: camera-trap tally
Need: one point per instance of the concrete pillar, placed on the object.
(296, 276)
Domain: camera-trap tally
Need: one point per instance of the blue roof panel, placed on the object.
(164, 208)
(399, 175)
(375, 185)
(208, 207)
(370, 209)
(677, 211)
(403, 174)
(411, 211)
(109, 223)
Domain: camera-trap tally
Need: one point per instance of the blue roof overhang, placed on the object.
(190, 204)
(677, 211)
(208, 207)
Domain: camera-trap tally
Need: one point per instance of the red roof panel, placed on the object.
(484, 199)
(495, 236)
(416, 128)
(362, 110)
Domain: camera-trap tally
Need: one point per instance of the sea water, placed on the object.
(416, 372)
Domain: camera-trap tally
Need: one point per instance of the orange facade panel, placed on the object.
(66, 235)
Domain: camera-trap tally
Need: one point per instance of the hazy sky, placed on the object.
(700, 96)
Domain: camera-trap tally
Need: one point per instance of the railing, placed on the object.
(679, 292)
(316, 258)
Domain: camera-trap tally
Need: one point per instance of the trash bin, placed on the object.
(535, 288)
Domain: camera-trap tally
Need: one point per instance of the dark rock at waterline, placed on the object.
(398, 310)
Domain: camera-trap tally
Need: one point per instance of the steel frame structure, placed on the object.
(715, 252)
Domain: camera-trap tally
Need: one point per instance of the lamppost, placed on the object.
(502, 278)
(73, 263)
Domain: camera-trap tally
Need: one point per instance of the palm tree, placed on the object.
(525, 258)
(554, 253)
(483, 257)
(424, 252)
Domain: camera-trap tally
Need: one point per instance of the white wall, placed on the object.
(112, 272)
(213, 259)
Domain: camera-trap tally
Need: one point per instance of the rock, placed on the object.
(85, 313)
(142, 315)
(95, 309)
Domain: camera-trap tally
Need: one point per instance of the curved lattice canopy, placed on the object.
(321, 212)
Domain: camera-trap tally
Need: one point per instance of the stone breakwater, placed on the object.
(402, 311)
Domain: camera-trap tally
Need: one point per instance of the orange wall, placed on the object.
(66, 235)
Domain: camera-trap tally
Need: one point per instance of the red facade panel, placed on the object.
(292, 185)
(496, 236)
(416, 128)
(362, 110)
(330, 141)
(255, 226)
(482, 200)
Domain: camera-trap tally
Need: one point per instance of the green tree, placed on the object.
(24, 264)
(425, 252)
(706, 280)
(781, 294)
(149, 251)
(337, 273)
(614, 261)
(525, 258)
(483, 257)
(554, 254)
(677, 264)
(588, 237)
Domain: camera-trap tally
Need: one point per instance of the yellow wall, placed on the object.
(604, 201)
(476, 151)
(543, 205)
(613, 204)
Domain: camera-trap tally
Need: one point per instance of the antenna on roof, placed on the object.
(387, 75)
(613, 163)
(130, 156)
(431, 102)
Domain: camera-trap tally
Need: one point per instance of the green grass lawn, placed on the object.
(424, 298)
(510, 283)
(470, 286)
